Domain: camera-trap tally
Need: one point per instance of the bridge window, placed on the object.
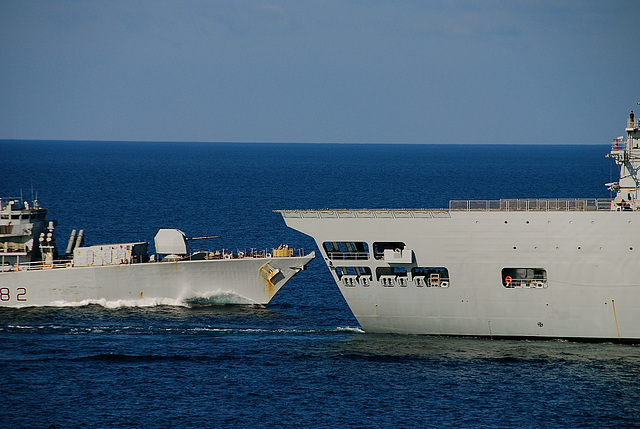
(346, 250)
(524, 278)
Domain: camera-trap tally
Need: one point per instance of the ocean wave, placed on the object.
(219, 297)
(122, 357)
(350, 329)
(119, 303)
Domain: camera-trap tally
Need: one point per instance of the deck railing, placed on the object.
(39, 265)
(587, 204)
(265, 254)
(345, 256)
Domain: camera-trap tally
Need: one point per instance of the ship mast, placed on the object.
(626, 153)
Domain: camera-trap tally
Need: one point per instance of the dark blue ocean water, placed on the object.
(302, 360)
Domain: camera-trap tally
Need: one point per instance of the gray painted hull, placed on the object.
(224, 281)
(591, 259)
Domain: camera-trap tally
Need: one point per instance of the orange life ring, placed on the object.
(508, 280)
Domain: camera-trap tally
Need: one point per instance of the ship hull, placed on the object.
(223, 281)
(591, 287)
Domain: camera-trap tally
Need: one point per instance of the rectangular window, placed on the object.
(346, 250)
(524, 278)
(353, 276)
(392, 276)
(380, 247)
(430, 276)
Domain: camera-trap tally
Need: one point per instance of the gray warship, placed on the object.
(514, 268)
(32, 273)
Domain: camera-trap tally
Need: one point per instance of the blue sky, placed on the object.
(509, 72)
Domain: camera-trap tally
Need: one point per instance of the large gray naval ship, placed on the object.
(33, 274)
(529, 268)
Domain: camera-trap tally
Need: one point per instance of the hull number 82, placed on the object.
(19, 294)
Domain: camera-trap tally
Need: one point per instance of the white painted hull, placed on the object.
(232, 281)
(592, 261)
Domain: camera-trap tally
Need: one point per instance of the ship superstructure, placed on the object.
(541, 268)
(22, 225)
